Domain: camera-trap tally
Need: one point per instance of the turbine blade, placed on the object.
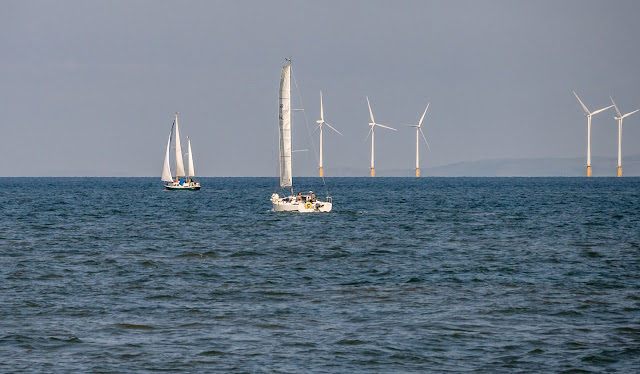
(370, 112)
(386, 127)
(331, 127)
(423, 114)
(615, 106)
(581, 103)
(316, 129)
(630, 113)
(601, 110)
(321, 111)
(367, 137)
(425, 139)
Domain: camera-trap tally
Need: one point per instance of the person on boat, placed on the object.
(312, 196)
(299, 197)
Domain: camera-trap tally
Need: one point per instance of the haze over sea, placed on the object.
(405, 275)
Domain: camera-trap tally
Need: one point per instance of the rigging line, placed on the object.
(306, 120)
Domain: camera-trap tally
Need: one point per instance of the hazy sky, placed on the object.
(89, 88)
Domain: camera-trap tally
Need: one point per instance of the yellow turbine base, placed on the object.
(588, 171)
(321, 172)
(417, 172)
(619, 171)
(373, 172)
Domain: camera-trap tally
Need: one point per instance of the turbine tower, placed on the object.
(418, 133)
(321, 122)
(620, 117)
(373, 124)
(589, 115)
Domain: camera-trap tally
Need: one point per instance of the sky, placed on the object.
(89, 88)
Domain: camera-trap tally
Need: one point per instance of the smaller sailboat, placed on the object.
(182, 181)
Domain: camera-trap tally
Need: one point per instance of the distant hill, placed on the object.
(525, 167)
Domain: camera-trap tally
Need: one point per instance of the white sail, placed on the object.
(179, 160)
(166, 169)
(192, 172)
(284, 113)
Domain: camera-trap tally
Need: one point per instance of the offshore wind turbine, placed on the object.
(620, 117)
(321, 122)
(418, 133)
(589, 115)
(373, 124)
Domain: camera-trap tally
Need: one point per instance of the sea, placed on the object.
(405, 275)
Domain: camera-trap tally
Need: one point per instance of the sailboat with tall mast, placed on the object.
(288, 202)
(182, 181)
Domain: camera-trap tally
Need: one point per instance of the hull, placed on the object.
(318, 206)
(194, 186)
(289, 204)
(279, 206)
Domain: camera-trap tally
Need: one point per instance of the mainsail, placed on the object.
(192, 172)
(179, 161)
(166, 170)
(284, 113)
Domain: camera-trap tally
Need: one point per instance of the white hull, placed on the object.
(194, 186)
(289, 204)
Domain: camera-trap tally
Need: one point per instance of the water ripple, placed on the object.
(405, 275)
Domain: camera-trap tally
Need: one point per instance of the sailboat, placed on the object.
(290, 202)
(182, 181)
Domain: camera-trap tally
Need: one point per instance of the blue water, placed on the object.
(404, 276)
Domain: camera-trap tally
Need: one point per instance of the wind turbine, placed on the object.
(589, 115)
(418, 133)
(620, 117)
(321, 122)
(373, 124)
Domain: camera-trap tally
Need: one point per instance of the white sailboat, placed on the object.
(182, 181)
(290, 202)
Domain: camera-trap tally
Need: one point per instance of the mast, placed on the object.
(284, 127)
(179, 160)
(166, 169)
